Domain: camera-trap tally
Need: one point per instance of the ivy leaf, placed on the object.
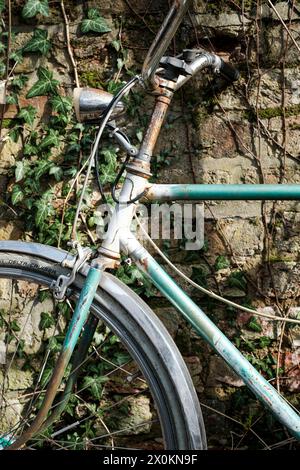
(57, 172)
(28, 114)
(237, 279)
(120, 63)
(32, 7)
(110, 157)
(51, 140)
(95, 23)
(38, 42)
(12, 99)
(46, 84)
(221, 263)
(20, 81)
(139, 136)
(44, 208)
(61, 104)
(254, 325)
(107, 175)
(264, 341)
(19, 171)
(116, 45)
(13, 325)
(94, 384)
(46, 321)
(42, 168)
(17, 194)
(29, 149)
(17, 56)
(14, 134)
(121, 358)
(2, 69)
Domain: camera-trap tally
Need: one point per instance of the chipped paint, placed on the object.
(224, 192)
(220, 343)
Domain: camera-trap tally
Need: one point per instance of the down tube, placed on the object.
(210, 332)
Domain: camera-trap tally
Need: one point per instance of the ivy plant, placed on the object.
(33, 7)
(94, 23)
(45, 85)
(39, 42)
(28, 114)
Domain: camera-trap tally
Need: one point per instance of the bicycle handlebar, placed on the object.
(163, 39)
(228, 71)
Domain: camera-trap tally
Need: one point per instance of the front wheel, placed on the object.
(133, 391)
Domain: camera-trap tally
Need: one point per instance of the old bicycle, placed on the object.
(142, 364)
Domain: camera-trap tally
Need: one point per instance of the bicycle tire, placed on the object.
(145, 338)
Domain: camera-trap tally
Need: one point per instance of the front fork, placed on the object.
(79, 319)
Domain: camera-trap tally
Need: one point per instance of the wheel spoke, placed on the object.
(111, 405)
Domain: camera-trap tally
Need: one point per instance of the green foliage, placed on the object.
(251, 345)
(38, 42)
(95, 385)
(19, 82)
(199, 275)
(45, 85)
(27, 114)
(19, 171)
(61, 104)
(108, 165)
(44, 209)
(17, 56)
(2, 69)
(47, 321)
(2, 5)
(33, 7)
(132, 276)
(57, 172)
(13, 325)
(254, 325)
(51, 139)
(94, 23)
(46, 376)
(237, 279)
(221, 263)
(17, 194)
(264, 364)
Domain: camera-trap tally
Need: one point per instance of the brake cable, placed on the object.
(105, 117)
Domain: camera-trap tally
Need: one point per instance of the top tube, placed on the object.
(163, 39)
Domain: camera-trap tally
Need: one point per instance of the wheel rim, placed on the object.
(75, 432)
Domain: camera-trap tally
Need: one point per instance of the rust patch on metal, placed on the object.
(52, 388)
(145, 263)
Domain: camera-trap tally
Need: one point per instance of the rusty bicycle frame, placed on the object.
(121, 239)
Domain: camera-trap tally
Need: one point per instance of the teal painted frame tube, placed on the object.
(222, 345)
(82, 308)
(225, 192)
(79, 318)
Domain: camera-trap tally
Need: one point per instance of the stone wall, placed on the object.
(214, 133)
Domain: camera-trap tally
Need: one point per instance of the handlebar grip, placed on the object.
(229, 72)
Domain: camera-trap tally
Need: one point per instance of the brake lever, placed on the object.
(122, 139)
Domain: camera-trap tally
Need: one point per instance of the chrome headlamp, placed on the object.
(90, 104)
